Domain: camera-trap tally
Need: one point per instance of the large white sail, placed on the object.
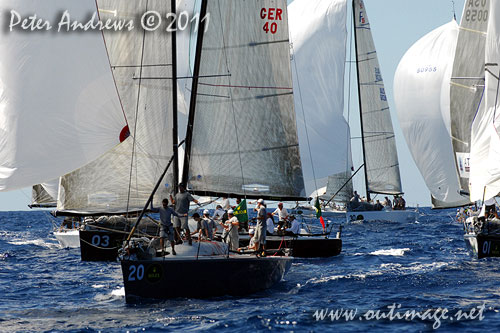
(123, 178)
(467, 83)
(57, 97)
(485, 137)
(379, 145)
(244, 136)
(318, 35)
(422, 97)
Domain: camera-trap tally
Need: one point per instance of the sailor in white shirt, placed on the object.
(281, 211)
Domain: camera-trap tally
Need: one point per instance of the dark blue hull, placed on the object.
(302, 246)
(202, 278)
(97, 245)
(483, 245)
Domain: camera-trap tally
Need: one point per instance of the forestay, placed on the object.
(467, 82)
(422, 97)
(57, 97)
(123, 178)
(485, 137)
(318, 35)
(244, 136)
(381, 158)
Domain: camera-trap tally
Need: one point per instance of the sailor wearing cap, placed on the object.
(212, 227)
(231, 226)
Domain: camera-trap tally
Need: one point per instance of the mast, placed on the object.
(194, 91)
(174, 102)
(359, 101)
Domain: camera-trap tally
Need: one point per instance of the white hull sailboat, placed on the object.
(381, 166)
(68, 238)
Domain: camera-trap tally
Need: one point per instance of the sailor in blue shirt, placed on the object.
(167, 228)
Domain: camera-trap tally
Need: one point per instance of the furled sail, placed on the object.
(379, 145)
(422, 97)
(467, 82)
(485, 136)
(45, 194)
(122, 179)
(318, 34)
(244, 136)
(57, 97)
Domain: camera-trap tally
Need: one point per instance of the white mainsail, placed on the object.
(318, 35)
(467, 83)
(57, 97)
(485, 137)
(379, 145)
(122, 179)
(422, 98)
(244, 136)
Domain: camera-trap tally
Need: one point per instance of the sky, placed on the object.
(396, 25)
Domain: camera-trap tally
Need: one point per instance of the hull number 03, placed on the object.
(136, 273)
(103, 241)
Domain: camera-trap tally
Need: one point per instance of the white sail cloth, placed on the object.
(123, 178)
(422, 97)
(318, 35)
(59, 108)
(485, 137)
(379, 143)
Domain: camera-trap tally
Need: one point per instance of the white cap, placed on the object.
(251, 231)
(260, 201)
(206, 212)
(230, 211)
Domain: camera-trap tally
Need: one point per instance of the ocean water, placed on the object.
(422, 267)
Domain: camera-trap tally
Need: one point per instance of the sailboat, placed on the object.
(59, 105)
(482, 234)
(241, 141)
(381, 166)
(422, 98)
(318, 36)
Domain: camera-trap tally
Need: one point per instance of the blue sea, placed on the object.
(385, 270)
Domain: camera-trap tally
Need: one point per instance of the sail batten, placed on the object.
(379, 145)
(250, 137)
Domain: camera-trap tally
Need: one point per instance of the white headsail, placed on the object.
(422, 97)
(485, 136)
(123, 178)
(59, 108)
(318, 34)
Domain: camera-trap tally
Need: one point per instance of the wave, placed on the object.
(37, 242)
(390, 252)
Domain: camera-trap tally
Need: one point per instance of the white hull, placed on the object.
(68, 238)
(402, 216)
